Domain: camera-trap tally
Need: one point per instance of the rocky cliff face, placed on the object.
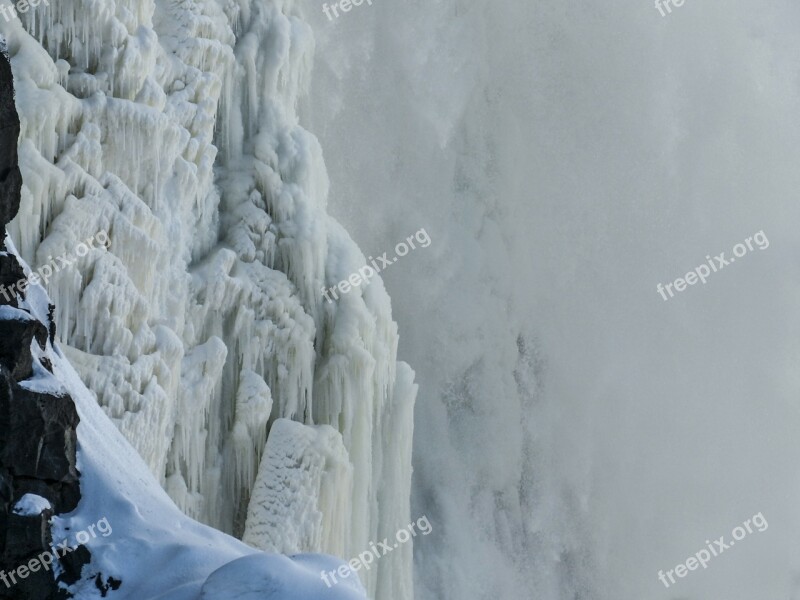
(37, 428)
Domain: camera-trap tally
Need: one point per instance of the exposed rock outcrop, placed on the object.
(38, 425)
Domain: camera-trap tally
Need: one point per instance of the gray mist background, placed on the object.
(565, 158)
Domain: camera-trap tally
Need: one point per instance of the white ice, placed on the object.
(173, 127)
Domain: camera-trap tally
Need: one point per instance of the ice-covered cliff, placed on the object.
(171, 127)
(63, 464)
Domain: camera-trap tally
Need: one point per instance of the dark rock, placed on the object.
(5, 409)
(38, 438)
(10, 274)
(25, 536)
(10, 178)
(6, 489)
(51, 311)
(104, 587)
(37, 585)
(69, 495)
(41, 436)
(15, 345)
(72, 564)
(10, 186)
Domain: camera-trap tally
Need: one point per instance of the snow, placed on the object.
(155, 550)
(9, 313)
(173, 127)
(31, 505)
(264, 577)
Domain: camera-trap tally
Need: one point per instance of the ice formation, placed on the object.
(200, 328)
(300, 465)
(148, 549)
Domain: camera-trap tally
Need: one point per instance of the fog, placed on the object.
(565, 159)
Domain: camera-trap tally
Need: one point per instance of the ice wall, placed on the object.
(171, 125)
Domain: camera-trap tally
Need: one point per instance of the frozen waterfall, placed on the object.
(201, 328)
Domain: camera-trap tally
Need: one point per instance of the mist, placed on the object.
(575, 432)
